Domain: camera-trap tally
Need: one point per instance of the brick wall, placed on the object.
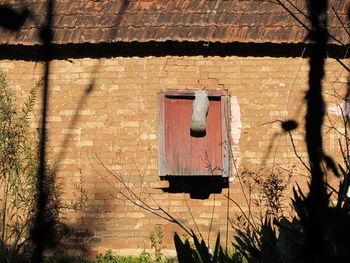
(104, 112)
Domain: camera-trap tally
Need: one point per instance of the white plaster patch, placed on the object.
(235, 135)
(336, 110)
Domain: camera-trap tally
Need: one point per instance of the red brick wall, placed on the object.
(116, 122)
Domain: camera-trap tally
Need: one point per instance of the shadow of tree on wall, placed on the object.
(43, 233)
(325, 241)
(86, 231)
(321, 217)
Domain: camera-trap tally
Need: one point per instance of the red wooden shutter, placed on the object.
(183, 153)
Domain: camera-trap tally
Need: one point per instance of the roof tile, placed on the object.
(5, 35)
(69, 36)
(91, 21)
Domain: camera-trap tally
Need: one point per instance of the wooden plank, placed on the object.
(226, 146)
(169, 136)
(214, 138)
(183, 142)
(197, 156)
(160, 135)
(206, 150)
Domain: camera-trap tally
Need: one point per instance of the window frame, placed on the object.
(225, 117)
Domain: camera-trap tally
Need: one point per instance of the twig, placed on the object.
(137, 200)
(341, 22)
(211, 220)
(194, 220)
(296, 153)
(240, 209)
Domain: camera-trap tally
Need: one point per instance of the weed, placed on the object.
(111, 257)
(156, 244)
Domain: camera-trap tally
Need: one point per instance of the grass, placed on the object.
(109, 257)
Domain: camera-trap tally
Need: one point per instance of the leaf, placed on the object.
(299, 204)
(202, 250)
(184, 251)
(217, 248)
(331, 165)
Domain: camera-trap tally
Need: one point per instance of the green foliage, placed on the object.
(18, 168)
(108, 257)
(156, 244)
(201, 253)
(63, 258)
(111, 257)
(19, 163)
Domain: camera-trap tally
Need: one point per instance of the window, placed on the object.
(184, 153)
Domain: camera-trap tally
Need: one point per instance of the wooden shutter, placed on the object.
(182, 153)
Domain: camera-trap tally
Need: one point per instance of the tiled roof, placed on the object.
(105, 21)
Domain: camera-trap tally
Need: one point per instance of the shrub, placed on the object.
(18, 177)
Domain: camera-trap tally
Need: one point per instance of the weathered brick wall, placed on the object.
(106, 110)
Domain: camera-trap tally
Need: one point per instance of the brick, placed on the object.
(134, 215)
(130, 124)
(160, 184)
(54, 118)
(71, 131)
(117, 123)
(157, 61)
(85, 112)
(86, 143)
(114, 68)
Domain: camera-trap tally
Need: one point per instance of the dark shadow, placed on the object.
(80, 236)
(180, 97)
(198, 134)
(286, 127)
(317, 200)
(43, 230)
(11, 19)
(77, 240)
(167, 48)
(75, 118)
(199, 187)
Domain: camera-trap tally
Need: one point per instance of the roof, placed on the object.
(224, 21)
